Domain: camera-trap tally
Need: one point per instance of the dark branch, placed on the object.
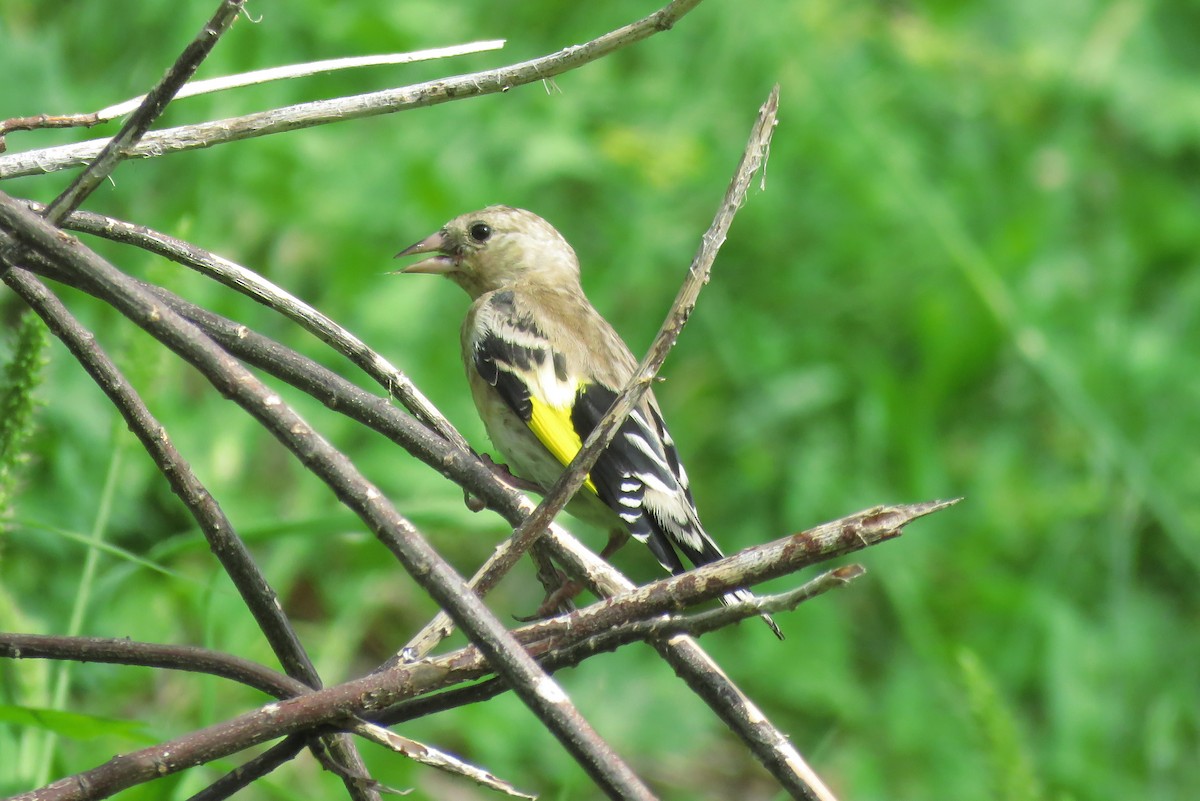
(122, 145)
(170, 657)
(218, 530)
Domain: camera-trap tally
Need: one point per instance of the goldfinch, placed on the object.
(544, 367)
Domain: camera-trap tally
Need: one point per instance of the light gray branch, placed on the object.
(292, 71)
(320, 112)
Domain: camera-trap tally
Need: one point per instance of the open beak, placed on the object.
(440, 264)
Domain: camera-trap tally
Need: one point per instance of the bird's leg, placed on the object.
(563, 597)
(617, 537)
(504, 474)
(557, 601)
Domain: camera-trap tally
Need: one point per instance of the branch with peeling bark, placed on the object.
(384, 697)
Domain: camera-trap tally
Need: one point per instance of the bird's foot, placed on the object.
(559, 601)
(504, 474)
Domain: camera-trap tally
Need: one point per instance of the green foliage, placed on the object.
(70, 724)
(973, 272)
(22, 374)
(1013, 775)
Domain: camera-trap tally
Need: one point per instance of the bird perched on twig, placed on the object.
(544, 367)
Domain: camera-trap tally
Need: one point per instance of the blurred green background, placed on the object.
(973, 272)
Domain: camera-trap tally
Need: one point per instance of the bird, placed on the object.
(544, 366)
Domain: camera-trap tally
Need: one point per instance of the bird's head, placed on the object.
(497, 247)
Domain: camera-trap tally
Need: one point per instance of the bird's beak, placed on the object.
(437, 265)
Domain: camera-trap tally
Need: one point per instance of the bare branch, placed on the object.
(37, 122)
(320, 112)
(685, 301)
(771, 747)
(745, 568)
(435, 758)
(697, 624)
(170, 657)
(210, 85)
(291, 71)
(252, 770)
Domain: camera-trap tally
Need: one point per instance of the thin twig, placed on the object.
(252, 770)
(685, 301)
(226, 82)
(292, 71)
(120, 146)
(700, 623)
(743, 569)
(37, 122)
(240, 80)
(320, 112)
(435, 758)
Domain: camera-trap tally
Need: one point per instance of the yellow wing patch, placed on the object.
(552, 426)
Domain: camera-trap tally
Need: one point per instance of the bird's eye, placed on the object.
(481, 232)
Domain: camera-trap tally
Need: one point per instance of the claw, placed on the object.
(557, 602)
(508, 477)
